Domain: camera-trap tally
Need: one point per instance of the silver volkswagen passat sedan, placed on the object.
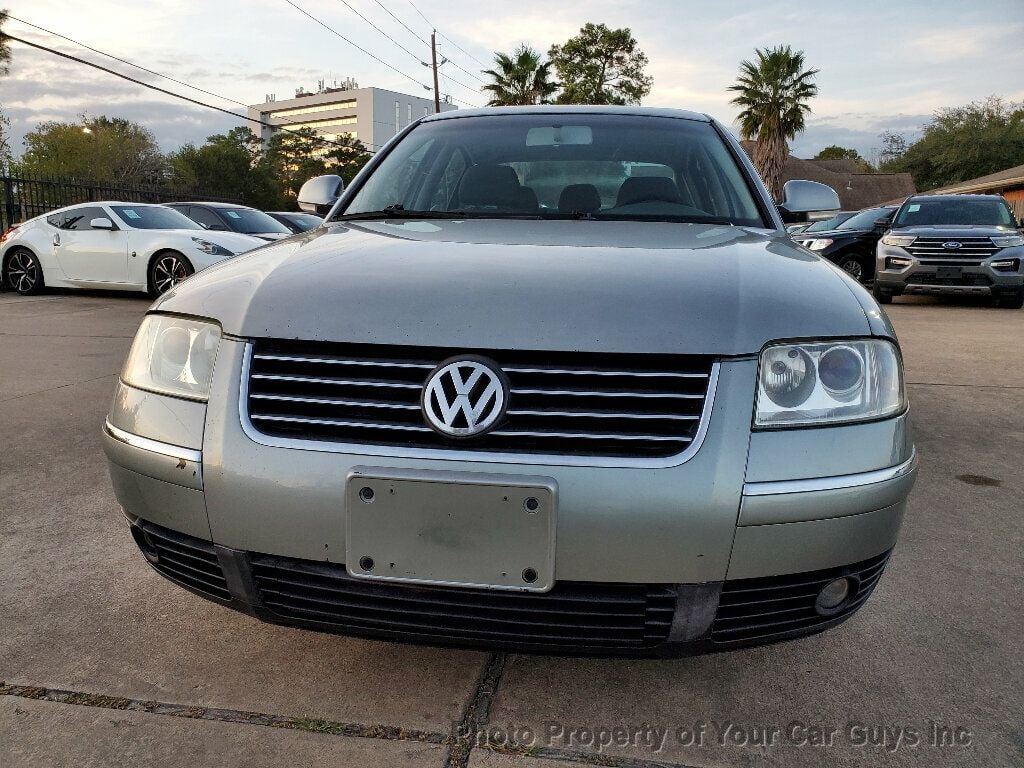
(551, 379)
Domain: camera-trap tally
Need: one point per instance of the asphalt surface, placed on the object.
(102, 662)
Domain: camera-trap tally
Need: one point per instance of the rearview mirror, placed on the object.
(801, 197)
(319, 194)
(102, 223)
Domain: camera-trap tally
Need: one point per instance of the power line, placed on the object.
(458, 66)
(152, 87)
(333, 31)
(421, 14)
(389, 37)
(458, 47)
(411, 31)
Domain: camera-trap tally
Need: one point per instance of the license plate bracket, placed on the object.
(949, 273)
(463, 529)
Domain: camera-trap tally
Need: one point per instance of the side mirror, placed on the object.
(801, 197)
(883, 223)
(319, 194)
(102, 223)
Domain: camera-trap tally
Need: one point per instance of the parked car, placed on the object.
(297, 221)
(952, 245)
(637, 420)
(851, 243)
(115, 246)
(225, 217)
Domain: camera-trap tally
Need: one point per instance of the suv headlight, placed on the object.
(1008, 241)
(819, 244)
(211, 248)
(828, 383)
(901, 241)
(173, 356)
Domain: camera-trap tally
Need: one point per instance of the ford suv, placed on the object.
(952, 245)
(552, 379)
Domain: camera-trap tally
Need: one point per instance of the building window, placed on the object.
(408, 112)
(397, 115)
(350, 104)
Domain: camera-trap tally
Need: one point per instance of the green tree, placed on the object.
(5, 49)
(835, 152)
(346, 156)
(105, 149)
(520, 79)
(601, 66)
(773, 93)
(961, 143)
(294, 156)
(894, 145)
(228, 165)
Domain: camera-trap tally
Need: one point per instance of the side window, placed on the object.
(54, 221)
(78, 219)
(206, 217)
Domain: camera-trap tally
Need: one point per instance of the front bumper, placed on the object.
(930, 276)
(772, 508)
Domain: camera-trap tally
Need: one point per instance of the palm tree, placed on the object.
(5, 49)
(520, 79)
(773, 93)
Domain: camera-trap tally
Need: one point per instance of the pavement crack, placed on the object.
(583, 758)
(60, 386)
(477, 713)
(218, 714)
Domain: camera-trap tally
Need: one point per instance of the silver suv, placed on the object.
(952, 245)
(552, 379)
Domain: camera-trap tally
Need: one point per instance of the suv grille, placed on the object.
(573, 614)
(625, 405)
(971, 247)
(776, 607)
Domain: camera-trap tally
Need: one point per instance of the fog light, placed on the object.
(895, 262)
(833, 595)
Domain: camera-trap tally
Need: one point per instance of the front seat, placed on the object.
(644, 189)
(491, 186)
(579, 198)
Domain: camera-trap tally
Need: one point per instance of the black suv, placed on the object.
(851, 244)
(952, 245)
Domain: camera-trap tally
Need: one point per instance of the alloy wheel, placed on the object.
(168, 272)
(22, 272)
(853, 268)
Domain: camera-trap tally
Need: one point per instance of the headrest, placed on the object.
(639, 189)
(582, 198)
(495, 185)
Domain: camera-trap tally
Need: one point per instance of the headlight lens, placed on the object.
(173, 356)
(900, 241)
(1008, 241)
(828, 382)
(211, 248)
(819, 244)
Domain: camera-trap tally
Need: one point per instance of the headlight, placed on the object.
(828, 383)
(818, 245)
(1008, 241)
(901, 241)
(173, 356)
(211, 248)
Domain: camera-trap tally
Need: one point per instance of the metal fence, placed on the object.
(23, 197)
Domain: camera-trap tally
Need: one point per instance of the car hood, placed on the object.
(233, 241)
(954, 231)
(554, 285)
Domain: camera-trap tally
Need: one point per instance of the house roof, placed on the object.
(1011, 177)
(856, 189)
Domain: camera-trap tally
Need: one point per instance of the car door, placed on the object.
(87, 254)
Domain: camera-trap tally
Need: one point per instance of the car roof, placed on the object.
(552, 109)
(211, 204)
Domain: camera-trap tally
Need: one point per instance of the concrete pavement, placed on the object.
(103, 662)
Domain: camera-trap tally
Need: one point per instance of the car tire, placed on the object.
(166, 270)
(1011, 299)
(881, 295)
(23, 272)
(855, 265)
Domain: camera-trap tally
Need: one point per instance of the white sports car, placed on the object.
(118, 246)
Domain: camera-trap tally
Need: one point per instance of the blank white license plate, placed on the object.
(451, 528)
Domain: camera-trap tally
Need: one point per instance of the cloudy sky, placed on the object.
(885, 64)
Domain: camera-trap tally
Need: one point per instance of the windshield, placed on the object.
(153, 217)
(251, 222)
(561, 166)
(306, 221)
(826, 224)
(866, 219)
(979, 212)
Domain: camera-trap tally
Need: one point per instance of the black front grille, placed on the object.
(970, 247)
(558, 403)
(968, 279)
(776, 607)
(185, 560)
(572, 615)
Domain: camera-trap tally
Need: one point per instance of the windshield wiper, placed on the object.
(663, 217)
(398, 211)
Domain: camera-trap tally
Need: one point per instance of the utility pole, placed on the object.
(433, 59)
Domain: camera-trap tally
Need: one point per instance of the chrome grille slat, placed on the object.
(931, 247)
(571, 404)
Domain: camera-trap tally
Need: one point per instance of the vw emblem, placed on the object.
(464, 397)
(952, 245)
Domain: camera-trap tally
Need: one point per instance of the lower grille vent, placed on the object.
(185, 560)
